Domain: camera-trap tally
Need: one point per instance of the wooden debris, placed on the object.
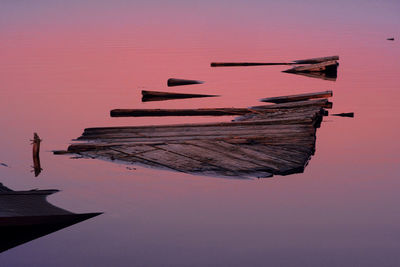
(390, 39)
(35, 153)
(326, 67)
(349, 114)
(216, 111)
(316, 60)
(159, 96)
(276, 139)
(26, 215)
(295, 62)
(246, 64)
(178, 82)
(299, 97)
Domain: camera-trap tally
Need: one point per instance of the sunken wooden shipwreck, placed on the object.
(267, 140)
(26, 215)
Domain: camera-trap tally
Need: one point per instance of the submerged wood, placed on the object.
(348, 114)
(326, 67)
(316, 60)
(26, 215)
(276, 139)
(298, 97)
(178, 82)
(295, 62)
(159, 96)
(35, 153)
(245, 64)
(216, 111)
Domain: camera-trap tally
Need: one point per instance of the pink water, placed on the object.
(65, 64)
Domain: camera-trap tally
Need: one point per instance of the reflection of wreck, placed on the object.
(265, 140)
(26, 215)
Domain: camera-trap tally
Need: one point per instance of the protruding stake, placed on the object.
(349, 114)
(178, 82)
(159, 96)
(36, 150)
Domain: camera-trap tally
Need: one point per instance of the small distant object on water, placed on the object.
(390, 39)
(178, 82)
(160, 96)
(348, 114)
(3, 164)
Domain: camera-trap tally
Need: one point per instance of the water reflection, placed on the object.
(26, 215)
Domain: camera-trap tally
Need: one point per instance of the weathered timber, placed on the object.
(348, 114)
(247, 64)
(160, 96)
(299, 97)
(177, 82)
(35, 153)
(177, 112)
(316, 60)
(215, 111)
(276, 139)
(26, 215)
(295, 62)
(326, 67)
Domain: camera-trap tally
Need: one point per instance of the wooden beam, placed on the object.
(349, 114)
(247, 64)
(298, 97)
(327, 66)
(316, 60)
(178, 82)
(159, 96)
(35, 153)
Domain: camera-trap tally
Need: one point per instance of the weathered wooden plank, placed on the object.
(212, 131)
(316, 60)
(214, 158)
(159, 96)
(178, 112)
(279, 121)
(327, 66)
(297, 97)
(323, 103)
(275, 165)
(348, 114)
(217, 111)
(178, 82)
(247, 64)
(295, 62)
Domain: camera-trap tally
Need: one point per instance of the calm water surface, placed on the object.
(65, 64)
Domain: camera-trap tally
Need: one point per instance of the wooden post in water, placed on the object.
(35, 153)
